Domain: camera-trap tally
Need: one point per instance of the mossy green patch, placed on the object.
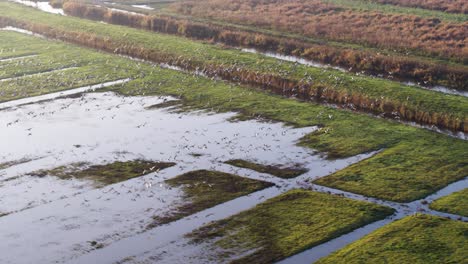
(204, 189)
(455, 203)
(276, 170)
(286, 225)
(105, 174)
(417, 239)
(401, 173)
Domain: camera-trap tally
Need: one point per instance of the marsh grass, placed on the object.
(203, 189)
(107, 174)
(281, 171)
(455, 203)
(286, 225)
(416, 239)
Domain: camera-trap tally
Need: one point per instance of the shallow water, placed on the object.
(44, 6)
(143, 7)
(51, 96)
(60, 216)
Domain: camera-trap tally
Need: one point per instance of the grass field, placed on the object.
(388, 63)
(370, 94)
(204, 189)
(55, 67)
(454, 203)
(158, 196)
(285, 225)
(414, 239)
(342, 133)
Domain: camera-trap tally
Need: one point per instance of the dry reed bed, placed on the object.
(314, 18)
(283, 85)
(399, 67)
(450, 6)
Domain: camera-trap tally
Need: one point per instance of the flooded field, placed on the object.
(107, 158)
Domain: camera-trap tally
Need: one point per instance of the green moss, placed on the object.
(286, 225)
(402, 173)
(204, 189)
(418, 239)
(276, 170)
(455, 203)
(105, 174)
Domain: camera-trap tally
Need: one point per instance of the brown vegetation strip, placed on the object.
(399, 67)
(314, 18)
(281, 84)
(450, 6)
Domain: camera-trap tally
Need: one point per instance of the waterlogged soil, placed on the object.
(276, 170)
(63, 213)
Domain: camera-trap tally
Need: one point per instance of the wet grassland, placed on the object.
(411, 164)
(414, 239)
(388, 98)
(454, 203)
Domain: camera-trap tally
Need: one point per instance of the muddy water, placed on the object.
(59, 217)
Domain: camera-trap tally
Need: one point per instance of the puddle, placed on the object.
(294, 59)
(439, 88)
(143, 7)
(61, 216)
(23, 31)
(44, 6)
(124, 11)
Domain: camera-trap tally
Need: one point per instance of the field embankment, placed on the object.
(369, 61)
